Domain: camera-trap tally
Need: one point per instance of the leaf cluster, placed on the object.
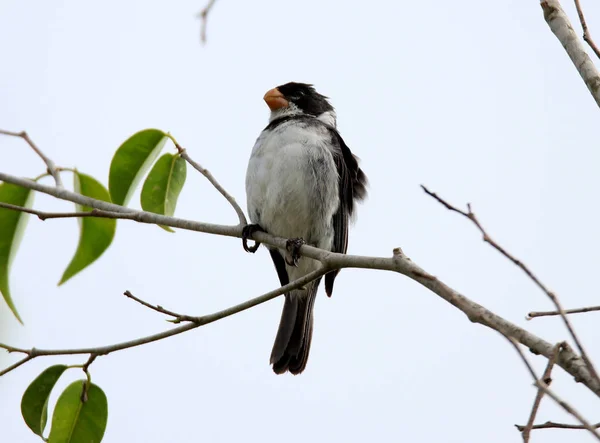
(81, 412)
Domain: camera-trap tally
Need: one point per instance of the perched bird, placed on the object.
(302, 184)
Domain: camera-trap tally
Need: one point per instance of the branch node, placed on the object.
(156, 308)
(586, 36)
(50, 166)
(203, 15)
(87, 364)
(423, 275)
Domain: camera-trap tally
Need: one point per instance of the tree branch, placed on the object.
(17, 364)
(568, 408)
(563, 30)
(193, 323)
(157, 308)
(540, 394)
(51, 167)
(543, 387)
(568, 360)
(535, 314)
(124, 212)
(486, 238)
(206, 173)
(97, 213)
(204, 19)
(554, 425)
(586, 35)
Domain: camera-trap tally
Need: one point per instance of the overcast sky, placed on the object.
(475, 99)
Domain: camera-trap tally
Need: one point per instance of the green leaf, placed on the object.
(131, 162)
(12, 225)
(95, 234)
(163, 186)
(75, 421)
(34, 404)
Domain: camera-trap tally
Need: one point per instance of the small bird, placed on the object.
(302, 183)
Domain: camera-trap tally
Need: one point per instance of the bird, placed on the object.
(302, 184)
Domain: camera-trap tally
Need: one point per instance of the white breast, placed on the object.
(292, 183)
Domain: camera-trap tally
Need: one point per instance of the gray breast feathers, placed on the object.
(292, 183)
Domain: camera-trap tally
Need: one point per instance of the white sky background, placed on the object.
(477, 100)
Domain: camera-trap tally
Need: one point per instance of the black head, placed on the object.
(304, 97)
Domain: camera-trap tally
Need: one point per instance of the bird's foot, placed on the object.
(293, 248)
(247, 232)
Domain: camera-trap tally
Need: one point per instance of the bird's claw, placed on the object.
(247, 232)
(293, 248)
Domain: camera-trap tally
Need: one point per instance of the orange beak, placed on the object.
(275, 99)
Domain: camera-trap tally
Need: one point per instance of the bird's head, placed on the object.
(299, 98)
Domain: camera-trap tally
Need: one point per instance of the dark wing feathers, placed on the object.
(279, 263)
(352, 188)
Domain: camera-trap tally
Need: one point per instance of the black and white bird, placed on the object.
(302, 184)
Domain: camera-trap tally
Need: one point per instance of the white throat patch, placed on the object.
(329, 117)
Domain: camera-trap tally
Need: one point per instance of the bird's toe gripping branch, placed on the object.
(293, 250)
(247, 232)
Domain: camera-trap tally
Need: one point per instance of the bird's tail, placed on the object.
(292, 343)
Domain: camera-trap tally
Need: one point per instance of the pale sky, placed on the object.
(477, 100)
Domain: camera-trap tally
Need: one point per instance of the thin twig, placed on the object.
(568, 360)
(203, 15)
(16, 365)
(193, 323)
(515, 344)
(542, 386)
(206, 173)
(51, 167)
(568, 408)
(97, 213)
(586, 35)
(554, 425)
(486, 238)
(566, 311)
(156, 308)
(538, 398)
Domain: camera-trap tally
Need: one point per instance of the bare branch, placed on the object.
(156, 308)
(124, 212)
(476, 313)
(193, 323)
(568, 408)
(203, 15)
(563, 30)
(586, 35)
(538, 398)
(554, 425)
(515, 344)
(206, 173)
(486, 238)
(16, 365)
(471, 216)
(51, 167)
(97, 213)
(543, 387)
(534, 314)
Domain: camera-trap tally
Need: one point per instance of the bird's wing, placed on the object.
(279, 263)
(352, 183)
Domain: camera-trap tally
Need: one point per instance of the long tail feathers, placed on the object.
(292, 343)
